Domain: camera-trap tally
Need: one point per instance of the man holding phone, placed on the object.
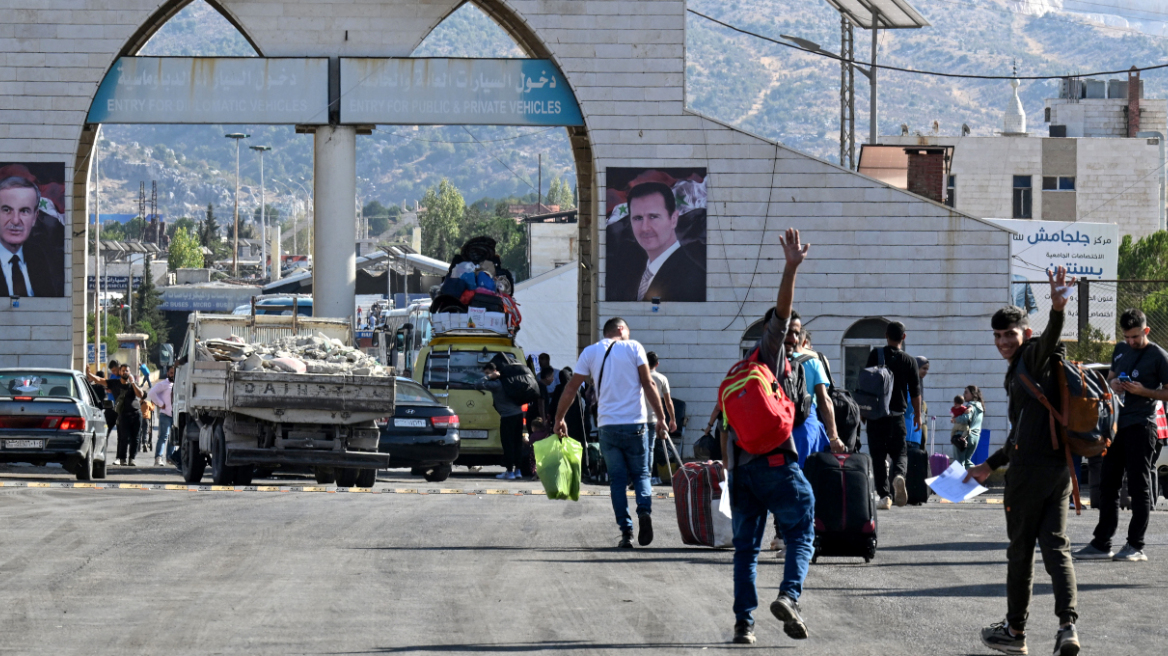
(1139, 371)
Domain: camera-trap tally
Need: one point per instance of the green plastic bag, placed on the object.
(557, 461)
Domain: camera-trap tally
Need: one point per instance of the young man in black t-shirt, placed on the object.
(1139, 371)
(887, 435)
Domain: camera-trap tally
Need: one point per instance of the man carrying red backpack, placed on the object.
(763, 465)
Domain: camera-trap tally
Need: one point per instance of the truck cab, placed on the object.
(449, 366)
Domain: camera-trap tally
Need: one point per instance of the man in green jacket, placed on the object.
(1038, 482)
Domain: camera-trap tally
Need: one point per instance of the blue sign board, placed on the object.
(114, 283)
(89, 354)
(439, 91)
(213, 90)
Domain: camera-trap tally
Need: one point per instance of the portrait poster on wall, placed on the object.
(32, 229)
(655, 246)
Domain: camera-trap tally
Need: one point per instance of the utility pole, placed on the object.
(539, 192)
(97, 331)
(872, 138)
(235, 245)
(263, 214)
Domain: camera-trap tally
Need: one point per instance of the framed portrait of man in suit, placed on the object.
(32, 229)
(655, 234)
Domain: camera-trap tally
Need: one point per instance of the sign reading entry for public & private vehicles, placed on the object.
(456, 92)
(213, 90)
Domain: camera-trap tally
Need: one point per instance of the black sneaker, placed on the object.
(645, 534)
(626, 541)
(998, 637)
(743, 633)
(1066, 642)
(787, 610)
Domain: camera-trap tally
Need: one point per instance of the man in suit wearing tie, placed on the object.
(25, 266)
(664, 268)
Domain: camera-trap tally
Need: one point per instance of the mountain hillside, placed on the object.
(764, 88)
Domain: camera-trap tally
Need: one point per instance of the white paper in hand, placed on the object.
(951, 485)
(724, 503)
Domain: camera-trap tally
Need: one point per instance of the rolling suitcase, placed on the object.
(697, 491)
(917, 472)
(845, 504)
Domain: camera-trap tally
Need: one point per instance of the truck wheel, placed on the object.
(85, 467)
(346, 476)
(221, 474)
(325, 475)
(366, 477)
(191, 461)
(439, 473)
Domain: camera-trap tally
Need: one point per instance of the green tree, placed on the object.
(1144, 259)
(273, 216)
(185, 251)
(112, 231)
(440, 221)
(209, 237)
(135, 227)
(110, 340)
(184, 222)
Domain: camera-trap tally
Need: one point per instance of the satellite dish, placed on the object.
(965, 130)
(903, 129)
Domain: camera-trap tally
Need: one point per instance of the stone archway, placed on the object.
(248, 17)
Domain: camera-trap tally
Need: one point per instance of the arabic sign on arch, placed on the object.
(456, 92)
(1088, 251)
(213, 90)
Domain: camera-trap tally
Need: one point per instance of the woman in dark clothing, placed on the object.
(575, 416)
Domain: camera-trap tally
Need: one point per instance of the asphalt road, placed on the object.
(148, 572)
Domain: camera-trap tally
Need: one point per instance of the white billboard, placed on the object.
(1089, 251)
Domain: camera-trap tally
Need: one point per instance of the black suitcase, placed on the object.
(918, 471)
(845, 504)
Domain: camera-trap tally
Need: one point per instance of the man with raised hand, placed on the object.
(1038, 482)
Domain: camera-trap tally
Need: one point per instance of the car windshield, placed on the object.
(461, 368)
(407, 392)
(37, 383)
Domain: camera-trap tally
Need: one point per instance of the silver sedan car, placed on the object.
(52, 415)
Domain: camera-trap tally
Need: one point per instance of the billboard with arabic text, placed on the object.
(456, 92)
(1088, 250)
(213, 90)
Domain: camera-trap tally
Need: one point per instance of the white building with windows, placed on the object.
(1094, 173)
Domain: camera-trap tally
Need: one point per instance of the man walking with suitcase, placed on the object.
(1038, 482)
(1139, 371)
(887, 436)
(771, 482)
(620, 368)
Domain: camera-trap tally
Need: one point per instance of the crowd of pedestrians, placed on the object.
(136, 406)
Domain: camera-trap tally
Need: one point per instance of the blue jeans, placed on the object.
(755, 488)
(165, 422)
(626, 455)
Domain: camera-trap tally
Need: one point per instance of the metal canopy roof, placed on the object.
(893, 14)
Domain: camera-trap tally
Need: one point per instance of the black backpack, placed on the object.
(874, 389)
(519, 383)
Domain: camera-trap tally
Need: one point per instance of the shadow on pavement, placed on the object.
(950, 546)
(979, 590)
(549, 645)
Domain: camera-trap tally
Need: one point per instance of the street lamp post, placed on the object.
(235, 245)
(263, 213)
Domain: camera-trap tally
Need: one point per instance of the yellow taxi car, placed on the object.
(449, 366)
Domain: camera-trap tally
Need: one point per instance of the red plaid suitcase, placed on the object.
(1161, 422)
(697, 492)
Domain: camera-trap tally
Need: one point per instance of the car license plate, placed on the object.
(24, 444)
(474, 434)
(410, 423)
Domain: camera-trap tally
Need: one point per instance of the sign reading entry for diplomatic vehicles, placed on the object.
(456, 91)
(213, 90)
(1089, 251)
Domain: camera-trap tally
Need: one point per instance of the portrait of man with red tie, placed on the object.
(655, 235)
(32, 235)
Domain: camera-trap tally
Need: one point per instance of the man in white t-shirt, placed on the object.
(620, 369)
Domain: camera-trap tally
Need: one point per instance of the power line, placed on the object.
(834, 57)
(497, 159)
(525, 134)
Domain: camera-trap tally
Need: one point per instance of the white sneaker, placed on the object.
(1130, 554)
(158, 462)
(506, 476)
(899, 491)
(119, 462)
(885, 503)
